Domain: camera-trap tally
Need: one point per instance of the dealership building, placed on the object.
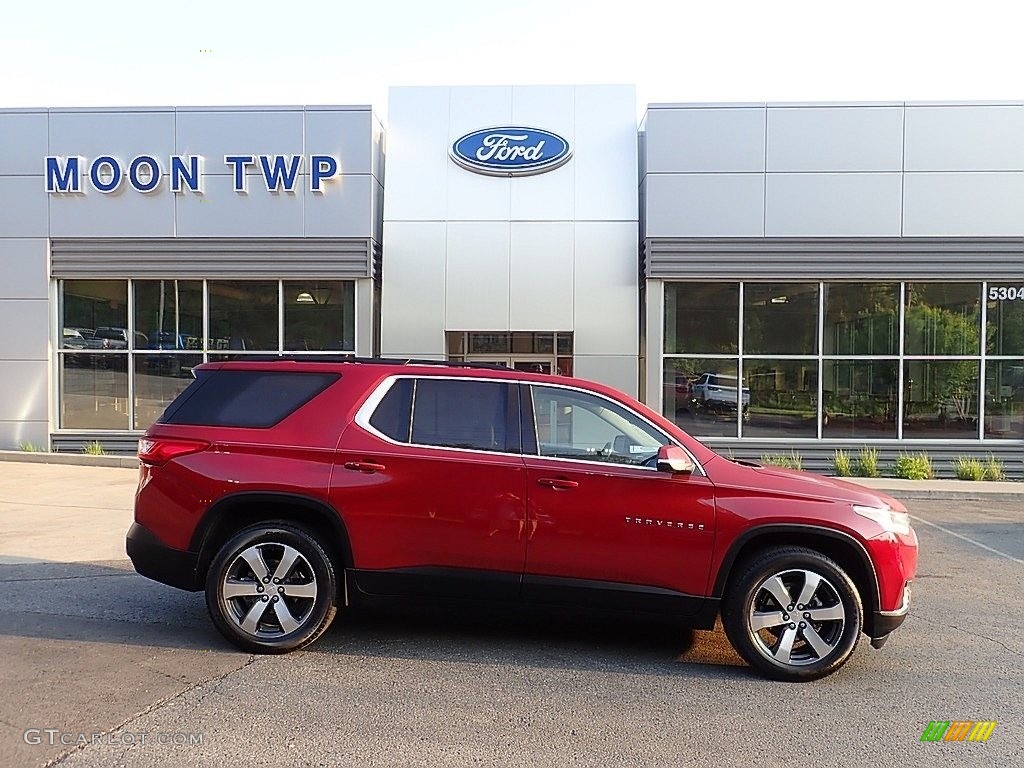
(773, 277)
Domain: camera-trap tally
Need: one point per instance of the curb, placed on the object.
(72, 459)
(944, 490)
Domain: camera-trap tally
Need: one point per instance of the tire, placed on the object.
(764, 622)
(299, 601)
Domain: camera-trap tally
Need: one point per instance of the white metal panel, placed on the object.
(123, 135)
(22, 206)
(963, 204)
(27, 322)
(545, 196)
(705, 140)
(472, 196)
(619, 371)
(605, 153)
(346, 134)
(26, 390)
(606, 309)
(413, 290)
(704, 205)
(651, 356)
(344, 209)
(222, 212)
(832, 204)
(541, 276)
(417, 155)
(124, 213)
(214, 134)
(477, 276)
(965, 138)
(23, 143)
(472, 107)
(364, 318)
(850, 138)
(23, 267)
(13, 434)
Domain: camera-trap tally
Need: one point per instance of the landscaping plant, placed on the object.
(968, 468)
(914, 466)
(867, 463)
(994, 469)
(843, 464)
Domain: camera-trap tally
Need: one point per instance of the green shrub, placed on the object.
(94, 448)
(994, 469)
(968, 468)
(28, 447)
(866, 464)
(843, 464)
(914, 466)
(791, 461)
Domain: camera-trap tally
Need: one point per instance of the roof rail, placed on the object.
(299, 358)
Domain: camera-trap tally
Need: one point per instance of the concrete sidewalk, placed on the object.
(965, 490)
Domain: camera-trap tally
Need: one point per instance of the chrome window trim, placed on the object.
(365, 412)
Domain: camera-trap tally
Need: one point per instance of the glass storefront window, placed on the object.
(1005, 314)
(169, 314)
(940, 398)
(1004, 399)
(699, 394)
(942, 319)
(319, 315)
(701, 318)
(860, 398)
(93, 391)
(243, 315)
(159, 378)
(89, 305)
(862, 319)
(780, 318)
(782, 397)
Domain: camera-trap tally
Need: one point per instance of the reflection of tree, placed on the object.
(1005, 327)
(941, 331)
(861, 319)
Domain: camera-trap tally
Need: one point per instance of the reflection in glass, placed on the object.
(319, 315)
(1004, 399)
(861, 398)
(243, 315)
(940, 398)
(783, 398)
(94, 391)
(169, 313)
(1005, 319)
(158, 380)
(862, 319)
(701, 318)
(780, 318)
(942, 319)
(700, 395)
(88, 305)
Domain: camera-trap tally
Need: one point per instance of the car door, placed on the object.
(431, 484)
(605, 526)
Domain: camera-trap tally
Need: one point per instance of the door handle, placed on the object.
(364, 466)
(557, 483)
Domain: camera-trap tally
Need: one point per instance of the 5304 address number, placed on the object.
(1004, 293)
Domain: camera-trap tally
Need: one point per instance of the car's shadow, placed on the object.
(109, 603)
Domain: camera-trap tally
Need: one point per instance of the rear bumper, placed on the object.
(888, 621)
(155, 560)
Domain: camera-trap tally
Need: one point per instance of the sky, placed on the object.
(214, 52)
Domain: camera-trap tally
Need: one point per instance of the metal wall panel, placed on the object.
(835, 139)
(963, 204)
(832, 205)
(23, 266)
(816, 456)
(703, 204)
(834, 258)
(704, 140)
(965, 138)
(210, 257)
(23, 143)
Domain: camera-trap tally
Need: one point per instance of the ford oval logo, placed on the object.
(510, 151)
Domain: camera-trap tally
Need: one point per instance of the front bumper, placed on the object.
(155, 560)
(888, 621)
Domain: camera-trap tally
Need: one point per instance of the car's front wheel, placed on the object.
(793, 614)
(271, 588)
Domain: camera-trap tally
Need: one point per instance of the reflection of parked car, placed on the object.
(170, 365)
(716, 390)
(115, 338)
(72, 338)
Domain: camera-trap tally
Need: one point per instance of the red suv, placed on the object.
(289, 488)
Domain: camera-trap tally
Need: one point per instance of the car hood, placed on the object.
(722, 471)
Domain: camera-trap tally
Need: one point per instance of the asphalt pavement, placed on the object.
(99, 666)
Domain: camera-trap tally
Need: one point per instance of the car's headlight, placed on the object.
(893, 522)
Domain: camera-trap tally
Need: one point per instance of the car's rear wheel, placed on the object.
(793, 614)
(271, 588)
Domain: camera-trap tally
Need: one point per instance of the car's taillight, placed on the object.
(157, 450)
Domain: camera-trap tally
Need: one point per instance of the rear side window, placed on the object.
(257, 399)
(393, 414)
(453, 413)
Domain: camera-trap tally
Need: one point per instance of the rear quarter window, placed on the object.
(257, 399)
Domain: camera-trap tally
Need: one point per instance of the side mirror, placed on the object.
(672, 458)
